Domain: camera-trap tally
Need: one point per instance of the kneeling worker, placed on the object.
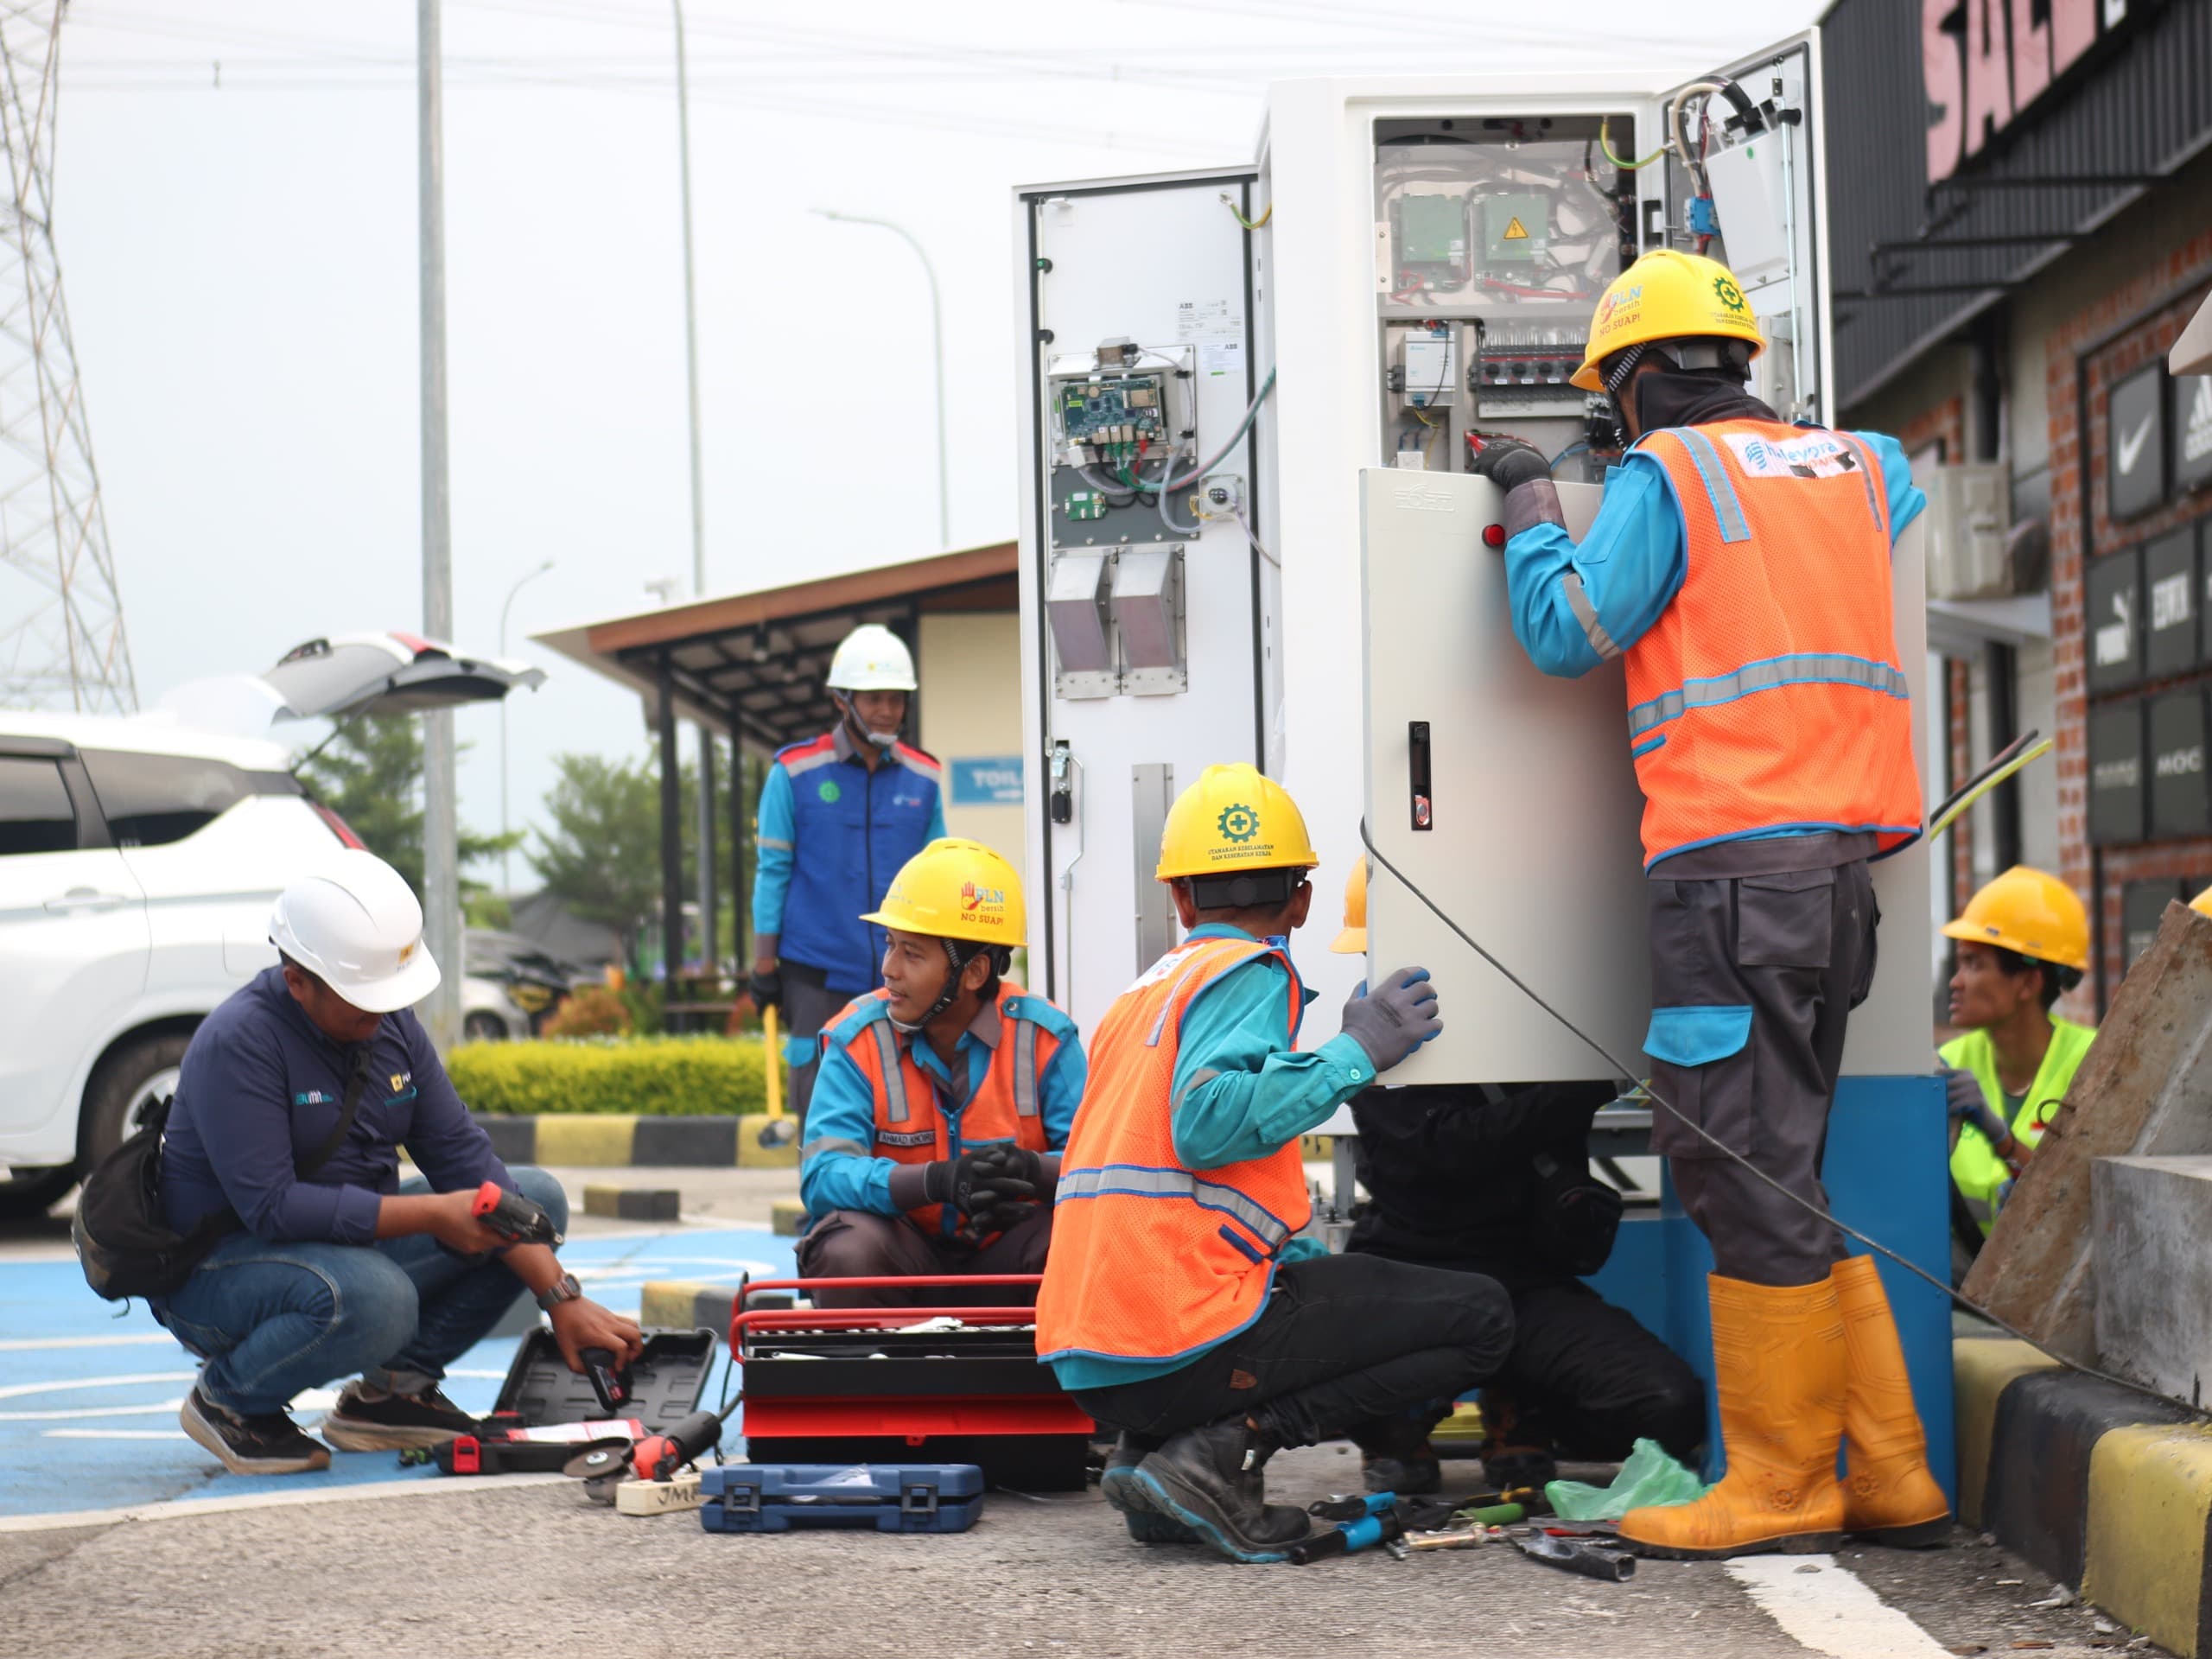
(343, 1267)
(943, 1097)
(1179, 1305)
(2023, 942)
(1496, 1180)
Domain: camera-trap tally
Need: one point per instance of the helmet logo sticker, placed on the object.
(1729, 295)
(974, 898)
(829, 791)
(1238, 823)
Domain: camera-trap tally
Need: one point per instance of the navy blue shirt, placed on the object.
(261, 1091)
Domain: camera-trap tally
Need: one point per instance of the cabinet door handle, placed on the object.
(87, 899)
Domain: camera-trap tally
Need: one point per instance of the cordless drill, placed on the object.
(512, 1217)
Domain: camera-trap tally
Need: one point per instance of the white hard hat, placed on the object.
(355, 926)
(872, 658)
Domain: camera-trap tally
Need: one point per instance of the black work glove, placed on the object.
(1394, 1019)
(767, 991)
(1507, 462)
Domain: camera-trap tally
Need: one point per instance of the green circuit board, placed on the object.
(1120, 409)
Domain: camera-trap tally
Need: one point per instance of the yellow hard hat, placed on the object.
(1233, 818)
(1353, 942)
(2202, 903)
(1667, 294)
(955, 889)
(2029, 912)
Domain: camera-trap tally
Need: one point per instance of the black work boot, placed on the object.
(1120, 1488)
(1517, 1449)
(1209, 1479)
(265, 1443)
(1396, 1456)
(375, 1420)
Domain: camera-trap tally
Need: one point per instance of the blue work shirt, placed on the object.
(1264, 1094)
(261, 1090)
(842, 1106)
(1634, 560)
(829, 836)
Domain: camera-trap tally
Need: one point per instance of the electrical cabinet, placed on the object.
(1314, 338)
(1968, 512)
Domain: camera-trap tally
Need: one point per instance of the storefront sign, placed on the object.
(2115, 621)
(2135, 443)
(2169, 594)
(2180, 802)
(2142, 906)
(2116, 791)
(1987, 64)
(2193, 432)
(994, 780)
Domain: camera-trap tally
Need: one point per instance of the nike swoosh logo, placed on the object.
(2131, 446)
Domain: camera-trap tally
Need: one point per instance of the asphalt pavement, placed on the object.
(397, 1567)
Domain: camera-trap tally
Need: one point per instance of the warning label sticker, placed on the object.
(1515, 231)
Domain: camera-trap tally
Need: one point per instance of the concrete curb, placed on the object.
(632, 1203)
(609, 1141)
(2098, 1486)
(684, 1305)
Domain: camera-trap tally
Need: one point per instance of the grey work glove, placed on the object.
(1395, 1019)
(1507, 462)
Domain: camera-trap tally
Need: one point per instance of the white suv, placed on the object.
(138, 861)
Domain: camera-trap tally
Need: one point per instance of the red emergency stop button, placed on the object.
(1494, 535)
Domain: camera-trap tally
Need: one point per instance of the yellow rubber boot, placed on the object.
(1778, 1365)
(1889, 1494)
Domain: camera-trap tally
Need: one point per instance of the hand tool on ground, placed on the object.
(524, 1451)
(780, 1131)
(1350, 1506)
(512, 1217)
(1348, 1537)
(1583, 1556)
(1428, 1540)
(653, 1457)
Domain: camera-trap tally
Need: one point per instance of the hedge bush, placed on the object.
(653, 1077)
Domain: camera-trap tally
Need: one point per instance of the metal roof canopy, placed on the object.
(751, 666)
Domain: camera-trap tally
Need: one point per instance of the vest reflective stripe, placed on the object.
(1167, 1005)
(1811, 668)
(1025, 1069)
(814, 1149)
(1717, 489)
(1130, 1181)
(1867, 472)
(1587, 613)
(893, 1072)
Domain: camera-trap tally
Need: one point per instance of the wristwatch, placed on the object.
(563, 1289)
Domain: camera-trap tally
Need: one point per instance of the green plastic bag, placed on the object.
(1649, 1477)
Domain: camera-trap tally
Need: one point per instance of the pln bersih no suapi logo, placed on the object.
(983, 904)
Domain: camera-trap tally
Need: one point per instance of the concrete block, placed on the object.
(2143, 1091)
(690, 1142)
(592, 1141)
(686, 1305)
(751, 1154)
(632, 1203)
(514, 1140)
(787, 1217)
(2154, 1275)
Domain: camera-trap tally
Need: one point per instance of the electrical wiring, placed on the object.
(1990, 776)
(1165, 500)
(1251, 413)
(1228, 201)
(1620, 1069)
(1245, 524)
(1576, 448)
(1605, 148)
(1680, 139)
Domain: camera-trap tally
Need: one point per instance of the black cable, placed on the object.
(1734, 1156)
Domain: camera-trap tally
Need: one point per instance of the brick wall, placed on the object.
(1944, 423)
(2077, 461)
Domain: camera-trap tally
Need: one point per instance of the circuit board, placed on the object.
(1115, 414)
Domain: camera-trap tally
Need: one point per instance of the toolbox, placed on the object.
(891, 1386)
(665, 1382)
(880, 1498)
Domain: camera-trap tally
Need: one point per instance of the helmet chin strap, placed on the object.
(949, 995)
(881, 739)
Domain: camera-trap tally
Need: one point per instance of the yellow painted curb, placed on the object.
(1981, 1367)
(786, 1217)
(670, 1305)
(751, 1154)
(2150, 1498)
(591, 1140)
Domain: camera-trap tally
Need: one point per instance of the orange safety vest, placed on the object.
(1767, 696)
(1150, 1259)
(912, 1123)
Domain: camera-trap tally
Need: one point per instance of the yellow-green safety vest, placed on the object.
(1975, 1167)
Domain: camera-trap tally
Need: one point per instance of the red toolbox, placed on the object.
(897, 1385)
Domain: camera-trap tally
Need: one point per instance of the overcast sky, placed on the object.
(236, 220)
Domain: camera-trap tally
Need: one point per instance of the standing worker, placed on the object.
(2024, 941)
(1179, 1303)
(1741, 568)
(945, 1097)
(839, 815)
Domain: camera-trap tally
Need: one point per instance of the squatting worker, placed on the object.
(1179, 1303)
(2023, 942)
(350, 1270)
(1741, 566)
(933, 1146)
(839, 814)
(1495, 1180)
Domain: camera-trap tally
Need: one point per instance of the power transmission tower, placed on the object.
(61, 639)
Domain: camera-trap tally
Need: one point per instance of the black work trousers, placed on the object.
(1348, 1344)
(1795, 949)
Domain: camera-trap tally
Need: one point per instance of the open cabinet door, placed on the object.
(1743, 184)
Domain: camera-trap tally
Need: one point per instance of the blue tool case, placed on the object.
(879, 1496)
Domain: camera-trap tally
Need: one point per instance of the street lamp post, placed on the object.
(506, 856)
(706, 812)
(937, 348)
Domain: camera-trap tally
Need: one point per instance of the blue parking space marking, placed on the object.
(88, 1400)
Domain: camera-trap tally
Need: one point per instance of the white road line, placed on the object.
(154, 1410)
(32, 1345)
(113, 1434)
(1825, 1607)
(185, 1509)
(15, 1390)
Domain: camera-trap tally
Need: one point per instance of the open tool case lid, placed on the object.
(665, 1382)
